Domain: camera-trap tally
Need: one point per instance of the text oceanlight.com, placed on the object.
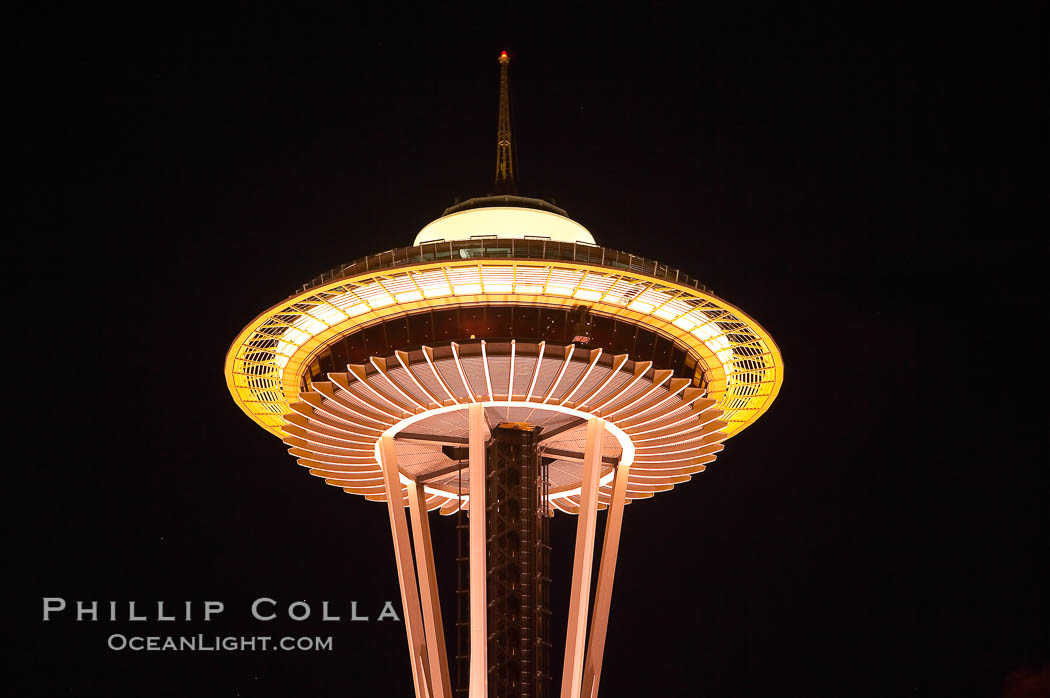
(217, 643)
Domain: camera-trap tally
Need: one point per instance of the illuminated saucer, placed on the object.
(517, 277)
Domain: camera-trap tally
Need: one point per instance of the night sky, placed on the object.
(857, 181)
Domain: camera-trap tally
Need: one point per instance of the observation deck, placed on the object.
(719, 347)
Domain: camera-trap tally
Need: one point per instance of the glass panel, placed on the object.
(601, 331)
(446, 325)
(662, 353)
(643, 346)
(355, 345)
(621, 338)
(472, 321)
(375, 341)
(420, 331)
(678, 363)
(397, 334)
(325, 362)
(526, 322)
(552, 325)
(340, 356)
(499, 322)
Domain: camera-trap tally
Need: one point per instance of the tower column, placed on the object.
(479, 662)
(572, 672)
(406, 574)
(592, 670)
(440, 682)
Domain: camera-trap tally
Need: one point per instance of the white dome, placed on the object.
(504, 222)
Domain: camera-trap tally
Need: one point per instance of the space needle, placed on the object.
(504, 369)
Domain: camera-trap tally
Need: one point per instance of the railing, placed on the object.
(503, 248)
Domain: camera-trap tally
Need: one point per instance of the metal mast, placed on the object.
(504, 160)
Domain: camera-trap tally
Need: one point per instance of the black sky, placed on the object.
(857, 180)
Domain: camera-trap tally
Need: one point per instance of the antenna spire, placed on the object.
(505, 183)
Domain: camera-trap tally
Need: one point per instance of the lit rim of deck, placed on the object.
(265, 364)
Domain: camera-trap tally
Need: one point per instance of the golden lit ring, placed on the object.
(265, 364)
